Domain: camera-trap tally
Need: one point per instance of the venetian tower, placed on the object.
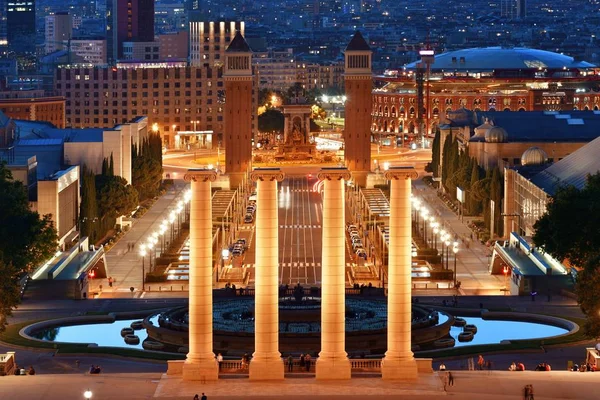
(238, 110)
(357, 131)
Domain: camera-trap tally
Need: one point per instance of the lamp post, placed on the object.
(442, 240)
(143, 255)
(447, 243)
(424, 214)
(436, 230)
(505, 271)
(150, 246)
(455, 251)
(87, 394)
(417, 206)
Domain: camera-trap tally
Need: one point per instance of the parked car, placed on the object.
(236, 252)
(352, 228)
(357, 245)
(248, 219)
(361, 253)
(241, 241)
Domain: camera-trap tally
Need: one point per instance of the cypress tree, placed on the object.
(111, 166)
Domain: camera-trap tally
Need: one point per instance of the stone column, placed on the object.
(333, 360)
(267, 363)
(200, 364)
(399, 362)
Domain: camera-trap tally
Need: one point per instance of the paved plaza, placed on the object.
(476, 385)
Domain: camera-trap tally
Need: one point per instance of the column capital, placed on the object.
(200, 175)
(397, 173)
(270, 174)
(334, 174)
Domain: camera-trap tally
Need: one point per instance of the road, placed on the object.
(300, 230)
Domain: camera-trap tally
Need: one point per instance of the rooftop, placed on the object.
(499, 58)
(238, 44)
(358, 43)
(571, 170)
(544, 126)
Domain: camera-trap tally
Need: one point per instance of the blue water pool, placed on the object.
(490, 332)
(108, 334)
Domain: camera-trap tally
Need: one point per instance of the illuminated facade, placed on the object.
(483, 79)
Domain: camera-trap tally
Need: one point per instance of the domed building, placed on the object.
(509, 139)
(534, 156)
(490, 79)
(496, 134)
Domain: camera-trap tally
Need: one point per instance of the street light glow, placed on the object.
(88, 394)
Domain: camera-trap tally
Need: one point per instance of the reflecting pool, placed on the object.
(489, 331)
(104, 334)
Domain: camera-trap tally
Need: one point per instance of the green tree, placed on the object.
(146, 176)
(569, 228)
(473, 202)
(496, 189)
(146, 171)
(271, 120)
(569, 231)
(434, 165)
(115, 196)
(89, 205)
(26, 240)
(9, 291)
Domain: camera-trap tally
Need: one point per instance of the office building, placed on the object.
(208, 41)
(521, 8)
(128, 21)
(58, 30)
(92, 50)
(20, 24)
(3, 32)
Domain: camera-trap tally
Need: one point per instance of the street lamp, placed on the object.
(505, 271)
(424, 214)
(143, 255)
(150, 246)
(436, 230)
(87, 394)
(455, 250)
(447, 243)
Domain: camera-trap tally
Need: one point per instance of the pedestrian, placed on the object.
(480, 363)
(307, 362)
(301, 361)
(530, 392)
(450, 379)
(203, 397)
(132, 246)
(196, 397)
(526, 392)
(219, 360)
(290, 361)
(110, 281)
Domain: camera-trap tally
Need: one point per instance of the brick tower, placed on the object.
(238, 110)
(357, 132)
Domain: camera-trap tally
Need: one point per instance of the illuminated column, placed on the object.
(399, 362)
(333, 360)
(200, 364)
(267, 363)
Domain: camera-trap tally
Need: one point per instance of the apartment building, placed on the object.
(175, 98)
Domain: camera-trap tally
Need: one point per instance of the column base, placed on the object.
(270, 369)
(333, 368)
(399, 369)
(200, 370)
